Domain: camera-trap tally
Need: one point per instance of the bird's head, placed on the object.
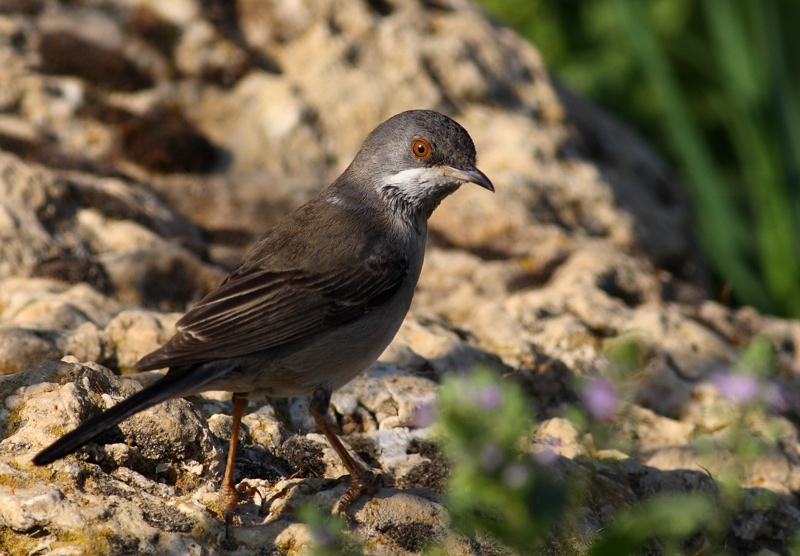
(415, 159)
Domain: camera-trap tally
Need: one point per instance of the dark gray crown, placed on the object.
(388, 146)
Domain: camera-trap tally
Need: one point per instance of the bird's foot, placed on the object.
(364, 482)
(230, 498)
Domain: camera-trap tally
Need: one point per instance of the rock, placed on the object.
(652, 432)
(71, 228)
(46, 319)
(65, 393)
(130, 184)
(559, 437)
(136, 333)
(22, 349)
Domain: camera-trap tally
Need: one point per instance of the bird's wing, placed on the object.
(259, 308)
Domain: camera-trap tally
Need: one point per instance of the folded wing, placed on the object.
(262, 308)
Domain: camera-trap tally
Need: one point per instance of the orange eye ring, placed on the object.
(421, 149)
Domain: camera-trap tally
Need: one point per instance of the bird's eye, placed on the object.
(421, 148)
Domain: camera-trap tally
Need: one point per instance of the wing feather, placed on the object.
(261, 308)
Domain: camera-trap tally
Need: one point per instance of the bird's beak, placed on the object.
(471, 174)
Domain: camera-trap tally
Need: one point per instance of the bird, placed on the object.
(316, 300)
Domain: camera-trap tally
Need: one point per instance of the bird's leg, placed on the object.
(228, 493)
(361, 480)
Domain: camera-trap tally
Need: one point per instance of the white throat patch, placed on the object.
(417, 190)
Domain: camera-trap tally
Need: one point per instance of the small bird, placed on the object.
(319, 297)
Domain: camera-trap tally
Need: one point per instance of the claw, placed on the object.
(365, 482)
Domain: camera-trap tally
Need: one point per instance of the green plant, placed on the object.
(500, 489)
(327, 533)
(494, 487)
(668, 518)
(716, 83)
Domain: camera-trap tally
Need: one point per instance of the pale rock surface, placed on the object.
(135, 333)
(144, 145)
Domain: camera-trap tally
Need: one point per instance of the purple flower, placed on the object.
(516, 475)
(545, 456)
(423, 415)
(491, 457)
(490, 397)
(323, 536)
(600, 398)
(737, 388)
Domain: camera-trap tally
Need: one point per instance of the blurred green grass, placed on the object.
(715, 85)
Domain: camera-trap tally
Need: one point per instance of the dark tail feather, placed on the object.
(178, 382)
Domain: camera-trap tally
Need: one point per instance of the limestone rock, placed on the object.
(144, 145)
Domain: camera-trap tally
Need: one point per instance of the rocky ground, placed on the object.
(145, 144)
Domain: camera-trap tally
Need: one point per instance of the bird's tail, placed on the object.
(176, 383)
